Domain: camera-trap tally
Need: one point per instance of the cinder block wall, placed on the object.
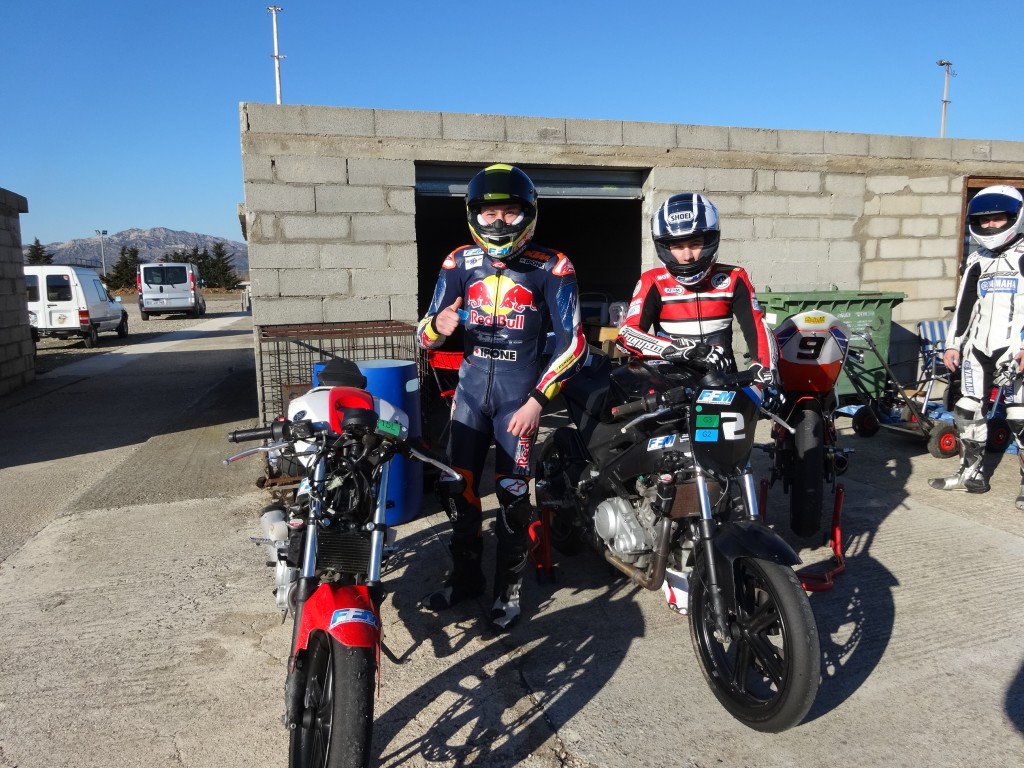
(330, 206)
(17, 367)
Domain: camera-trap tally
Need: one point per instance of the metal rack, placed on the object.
(286, 354)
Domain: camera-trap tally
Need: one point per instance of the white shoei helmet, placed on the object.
(994, 201)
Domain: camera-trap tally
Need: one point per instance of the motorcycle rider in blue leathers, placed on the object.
(986, 331)
(508, 293)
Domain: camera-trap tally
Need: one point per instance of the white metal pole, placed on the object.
(277, 56)
(103, 259)
(945, 95)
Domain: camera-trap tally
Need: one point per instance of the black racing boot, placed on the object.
(464, 581)
(970, 476)
(508, 583)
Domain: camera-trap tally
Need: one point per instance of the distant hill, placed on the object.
(153, 244)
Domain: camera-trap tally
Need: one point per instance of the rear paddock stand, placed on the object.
(540, 545)
(820, 582)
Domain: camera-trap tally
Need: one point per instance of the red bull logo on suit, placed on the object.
(499, 301)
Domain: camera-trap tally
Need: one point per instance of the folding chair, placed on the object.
(932, 337)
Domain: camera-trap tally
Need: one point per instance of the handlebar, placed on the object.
(676, 395)
(284, 431)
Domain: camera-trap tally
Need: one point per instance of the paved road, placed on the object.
(139, 627)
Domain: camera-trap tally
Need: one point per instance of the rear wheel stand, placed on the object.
(812, 581)
(540, 545)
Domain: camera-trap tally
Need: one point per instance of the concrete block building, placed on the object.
(17, 367)
(349, 212)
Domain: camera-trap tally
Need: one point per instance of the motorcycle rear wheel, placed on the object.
(807, 483)
(766, 673)
(337, 724)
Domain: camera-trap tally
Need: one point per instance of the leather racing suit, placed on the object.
(698, 313)
(988, 325)
(509, 307)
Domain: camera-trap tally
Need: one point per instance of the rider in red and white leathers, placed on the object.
(685, 309)
(986, 332)
(507, 293)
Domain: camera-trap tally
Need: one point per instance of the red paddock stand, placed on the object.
(540, 545)
(819, 582)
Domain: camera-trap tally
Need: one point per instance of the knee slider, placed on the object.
(514, 501)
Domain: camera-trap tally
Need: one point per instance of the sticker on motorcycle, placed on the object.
(716, 397)
(347, 615)
(705, 435)
(665, 441)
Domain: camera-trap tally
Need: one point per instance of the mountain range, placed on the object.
(153, 244)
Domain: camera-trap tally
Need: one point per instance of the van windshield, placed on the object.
(58, 288)
(164, 275)
(32, 287)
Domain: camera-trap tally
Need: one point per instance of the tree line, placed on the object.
(215, 268)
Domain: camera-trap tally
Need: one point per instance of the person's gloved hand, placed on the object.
(773, 400)
(766, 377)
(708, 356)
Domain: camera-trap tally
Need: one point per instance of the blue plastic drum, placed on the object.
(397, 382)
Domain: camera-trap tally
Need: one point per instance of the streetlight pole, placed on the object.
(945, 94)
(277, 56)
(103, 259)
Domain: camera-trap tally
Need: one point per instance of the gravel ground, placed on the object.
(53, 353)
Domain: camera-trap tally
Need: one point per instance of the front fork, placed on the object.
(707, 528)
(348, 613)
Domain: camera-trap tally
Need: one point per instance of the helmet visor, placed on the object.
(994, 205)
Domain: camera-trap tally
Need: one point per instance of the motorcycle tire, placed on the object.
(765, 673)
(555, 465)
(808, 479)
(337, 724)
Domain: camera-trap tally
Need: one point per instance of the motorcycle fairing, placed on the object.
(345, 612)
(812, 349)
(722, 424)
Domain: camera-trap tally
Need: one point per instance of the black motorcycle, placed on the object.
(655, 475)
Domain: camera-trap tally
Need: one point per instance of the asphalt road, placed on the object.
(139, 629)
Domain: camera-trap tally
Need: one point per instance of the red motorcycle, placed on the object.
(328, 548)
(812, 349)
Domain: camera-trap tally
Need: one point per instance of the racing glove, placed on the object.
(766, 377)
(773, 400)
(708, 356)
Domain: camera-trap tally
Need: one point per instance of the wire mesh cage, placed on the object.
(286, 354)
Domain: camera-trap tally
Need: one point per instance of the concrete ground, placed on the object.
(139, 627)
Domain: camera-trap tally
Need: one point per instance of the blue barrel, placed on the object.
(397, 382)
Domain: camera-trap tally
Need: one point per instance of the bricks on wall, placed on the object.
(16, 349)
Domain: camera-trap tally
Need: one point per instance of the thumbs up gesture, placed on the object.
(448, 319)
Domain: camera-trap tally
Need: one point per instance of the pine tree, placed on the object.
(220, 271)
(37, 254)
(122, 274)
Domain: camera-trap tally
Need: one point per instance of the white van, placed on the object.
(166, 287)
(66, 301)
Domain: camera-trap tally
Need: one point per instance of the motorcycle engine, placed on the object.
(627, 531)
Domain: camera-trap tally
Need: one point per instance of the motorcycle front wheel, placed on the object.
(766, 672)
(807, 483)
(337, 720)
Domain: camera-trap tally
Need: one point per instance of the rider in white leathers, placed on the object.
(987, 330)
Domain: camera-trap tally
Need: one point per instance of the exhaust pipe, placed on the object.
(654, 576)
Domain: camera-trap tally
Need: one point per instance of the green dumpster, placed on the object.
(863, 311)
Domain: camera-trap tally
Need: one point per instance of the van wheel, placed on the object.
(92, 339)
(122, 329)
(145, 315)
(195, 313)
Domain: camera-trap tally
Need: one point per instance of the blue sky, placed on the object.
(125, 113)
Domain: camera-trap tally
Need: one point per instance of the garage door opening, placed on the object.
(594, 217)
